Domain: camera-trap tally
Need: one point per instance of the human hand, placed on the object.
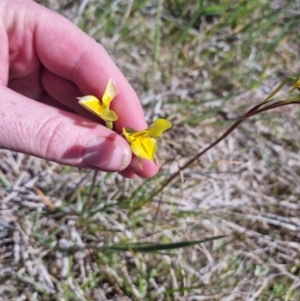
(45, 63)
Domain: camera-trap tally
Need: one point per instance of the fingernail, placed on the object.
(106, 154)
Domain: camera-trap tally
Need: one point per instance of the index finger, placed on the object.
(68, 52)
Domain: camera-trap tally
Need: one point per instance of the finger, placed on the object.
(128, 173)
(73, 55)
(34, 128)
(49, 101)
(68, 52)
(65, 92)
(148, 169)
(4, 55)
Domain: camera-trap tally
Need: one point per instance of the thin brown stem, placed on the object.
(253, 111)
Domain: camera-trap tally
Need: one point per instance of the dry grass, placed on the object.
(201, 76)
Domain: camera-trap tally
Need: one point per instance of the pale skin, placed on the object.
(45, 63)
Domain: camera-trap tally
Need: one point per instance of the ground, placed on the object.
(200, 64)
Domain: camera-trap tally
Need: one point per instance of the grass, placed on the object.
(201, 64)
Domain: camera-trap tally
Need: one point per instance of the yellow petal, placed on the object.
(92, 104)
(144, 147)
(110, 93)
(140, 163)
(159, 126)
(127, 132)
(109, 115)
(143, 134)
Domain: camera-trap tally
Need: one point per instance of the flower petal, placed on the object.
(92, 104)
(159, 126)
(110, 93)
(127, 132)
(144, 147)
(109, 115)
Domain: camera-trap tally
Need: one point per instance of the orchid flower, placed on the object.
(101, 109)
(143, 143)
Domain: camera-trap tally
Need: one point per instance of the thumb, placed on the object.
(53, 134)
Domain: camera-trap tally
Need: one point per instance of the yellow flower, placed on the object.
(143, 143)
(296, 86)
(101, 109)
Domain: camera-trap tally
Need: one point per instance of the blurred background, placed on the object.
(201, 64)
